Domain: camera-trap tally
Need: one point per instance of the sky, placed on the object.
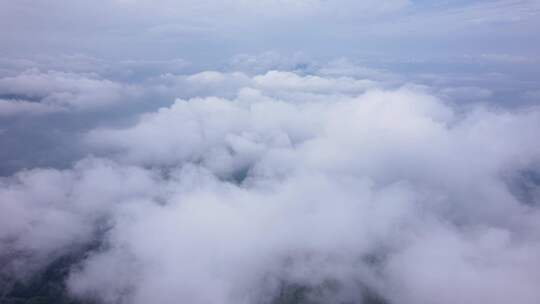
(196, 30)
(272, 151)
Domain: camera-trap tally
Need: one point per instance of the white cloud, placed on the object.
(322, 185)
(53, 91)
(288, 81)
(330, 183)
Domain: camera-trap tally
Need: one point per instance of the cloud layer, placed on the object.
(343, 189)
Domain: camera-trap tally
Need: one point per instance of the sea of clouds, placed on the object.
(229, 186)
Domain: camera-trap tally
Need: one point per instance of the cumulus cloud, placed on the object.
(48, 212)
(287, 81)
(352, 193)
(34, 91)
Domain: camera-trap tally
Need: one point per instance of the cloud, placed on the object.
(52, 91)
(279, 81)
(379, 193)
(345, 67)
(332, 182)
(22, 107)
(271, 60)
